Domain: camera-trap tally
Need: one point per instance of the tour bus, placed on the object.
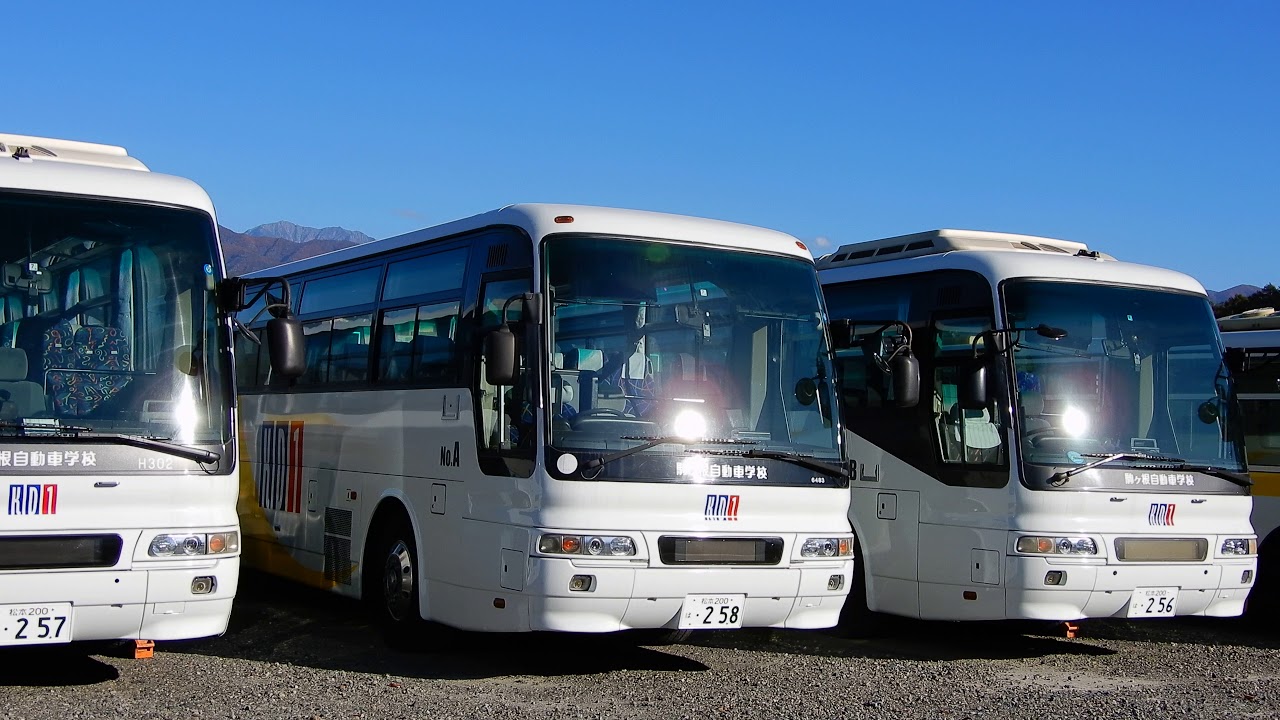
(555, 417)
(1074, 452)
(1254, 339)
(117, 445)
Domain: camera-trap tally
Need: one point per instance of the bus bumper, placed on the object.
(636, 596)
(1097, 590)
(138, 604)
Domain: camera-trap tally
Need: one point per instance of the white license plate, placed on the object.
(712, 612)
(1153, 602)
(35, 624)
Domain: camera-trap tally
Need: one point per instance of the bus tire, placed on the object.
(391, 578)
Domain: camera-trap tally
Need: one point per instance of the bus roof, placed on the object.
(1252, 339)
(70, 167)
(1257, 319)
(541, 219)
(997, 256)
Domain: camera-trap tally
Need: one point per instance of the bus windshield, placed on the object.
(108, 321)
(1139, 372)
(721, 349)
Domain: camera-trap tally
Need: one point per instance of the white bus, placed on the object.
(556, 417)
(1253, 339)
(117, 446)
(1074, 453)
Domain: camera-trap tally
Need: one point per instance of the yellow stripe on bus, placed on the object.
(261, 548)
(1265, 484)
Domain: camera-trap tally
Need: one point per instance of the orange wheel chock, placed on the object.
(143, 649)
(1071, 629)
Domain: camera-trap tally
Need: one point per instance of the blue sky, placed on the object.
(1145, 129)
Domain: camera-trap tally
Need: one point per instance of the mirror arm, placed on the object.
(231, 294)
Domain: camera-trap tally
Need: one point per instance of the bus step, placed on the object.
(143, 649)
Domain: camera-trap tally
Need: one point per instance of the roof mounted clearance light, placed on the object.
(564, 219)
(801, 245)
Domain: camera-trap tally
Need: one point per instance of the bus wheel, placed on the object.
(392, 578)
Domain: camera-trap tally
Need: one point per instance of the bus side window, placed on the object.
(505, 413)
(317, 335)
(349, 349)
(246, 363)
(965, 435)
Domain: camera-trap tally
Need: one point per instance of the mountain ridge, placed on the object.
(302, 234)
(245, 253)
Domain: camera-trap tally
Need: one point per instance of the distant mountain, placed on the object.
(245, 253)
(301, 234)
(1218, 297)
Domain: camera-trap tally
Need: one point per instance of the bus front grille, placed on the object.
(52, 552)
(1161, 549)
(674, 550)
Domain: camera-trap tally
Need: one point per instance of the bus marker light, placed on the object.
(970, 595)
(499, 603)
(563, 219)
(581, 583)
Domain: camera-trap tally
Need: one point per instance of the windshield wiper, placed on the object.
(1061, 477)
(805, 461)
(1240, 479)
(653, 442)
(28, 429)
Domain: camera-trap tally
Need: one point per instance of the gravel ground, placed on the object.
(311, 656)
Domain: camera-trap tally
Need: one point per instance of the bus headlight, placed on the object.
(826, 547)
(1041, 545)
(193, 544)
(589, 545)
(1240, 546)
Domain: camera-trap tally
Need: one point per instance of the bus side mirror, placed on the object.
(286, 347)
(906, 380)
(500, 356)
(972, 390)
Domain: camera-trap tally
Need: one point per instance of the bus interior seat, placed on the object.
(105, 352)
(19, 397)
(60, 365)
(976, 433)
(434, 356)
(396, 359)
(1031, 411)
(348, 359)
(629, 387)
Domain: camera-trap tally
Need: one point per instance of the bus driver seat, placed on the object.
(19, 397)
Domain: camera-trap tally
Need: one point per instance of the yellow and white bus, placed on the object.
(1075, 452)
(556, 417)
(117, 447)
(1255, 335)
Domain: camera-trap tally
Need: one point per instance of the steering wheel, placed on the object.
(603, 411)
(1035, 436)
